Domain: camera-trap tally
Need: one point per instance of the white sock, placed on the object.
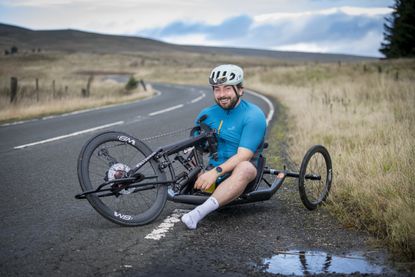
(194, 216)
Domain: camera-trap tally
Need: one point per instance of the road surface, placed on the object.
(46, 231)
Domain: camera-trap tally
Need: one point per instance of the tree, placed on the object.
(399, 32)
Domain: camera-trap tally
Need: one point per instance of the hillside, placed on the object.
(80, 41)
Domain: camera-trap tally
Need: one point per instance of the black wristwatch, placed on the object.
(219, 170)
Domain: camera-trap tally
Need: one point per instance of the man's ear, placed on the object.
(241, 91)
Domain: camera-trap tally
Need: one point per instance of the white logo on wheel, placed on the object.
(126, 139)
(123, 216)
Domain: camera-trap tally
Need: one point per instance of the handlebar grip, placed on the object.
(211, 139)
(213, 147)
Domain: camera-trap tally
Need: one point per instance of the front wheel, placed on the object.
(110, 155)
(316, 175)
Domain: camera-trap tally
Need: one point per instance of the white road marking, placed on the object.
(270, 105)
(198, 98)
(157, 93)
(69, 135)
(166, 225)
(17, 122)
(166, 110)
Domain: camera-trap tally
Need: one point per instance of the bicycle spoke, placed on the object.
(121, 153)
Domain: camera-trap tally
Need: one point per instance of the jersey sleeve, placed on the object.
(254, 130)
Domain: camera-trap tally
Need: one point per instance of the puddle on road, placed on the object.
(302, 263)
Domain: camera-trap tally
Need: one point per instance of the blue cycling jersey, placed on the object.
(243, 126)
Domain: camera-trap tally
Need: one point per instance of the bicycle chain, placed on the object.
(167, 134)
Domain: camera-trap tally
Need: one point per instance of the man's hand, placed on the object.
(206, 180)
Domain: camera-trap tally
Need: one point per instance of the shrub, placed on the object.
(131, 84)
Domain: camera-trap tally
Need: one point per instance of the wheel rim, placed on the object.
(316, 190)
(126, 205)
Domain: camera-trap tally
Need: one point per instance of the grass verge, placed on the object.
(364, 117)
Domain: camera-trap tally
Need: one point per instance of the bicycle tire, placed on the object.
(135, 208)
(316, 161)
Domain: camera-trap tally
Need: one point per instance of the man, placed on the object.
(241, 128)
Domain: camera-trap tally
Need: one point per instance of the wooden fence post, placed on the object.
(54, 88)
(37, 89)
(379, 69)
(88, 85)
(143, 84)
(13, 90)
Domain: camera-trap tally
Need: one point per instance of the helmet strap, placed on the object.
(235, 89)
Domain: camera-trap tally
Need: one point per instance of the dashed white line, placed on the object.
(166, 110)
(69, 135)
(198, 98)
(17, 122)
(166, 225)
(157, 93)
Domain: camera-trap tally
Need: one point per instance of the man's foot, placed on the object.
(189, 222)
(194, 216)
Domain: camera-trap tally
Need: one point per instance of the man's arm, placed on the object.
(209, 177)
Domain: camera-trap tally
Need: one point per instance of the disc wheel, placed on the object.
(316, 176)
(109, 156)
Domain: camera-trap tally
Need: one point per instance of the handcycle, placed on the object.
(129, 184)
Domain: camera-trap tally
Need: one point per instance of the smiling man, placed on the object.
(240, 128)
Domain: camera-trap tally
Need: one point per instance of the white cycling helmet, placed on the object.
(226, 74)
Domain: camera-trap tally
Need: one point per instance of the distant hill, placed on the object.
(80, 41)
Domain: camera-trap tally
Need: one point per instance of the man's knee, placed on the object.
(246, 170)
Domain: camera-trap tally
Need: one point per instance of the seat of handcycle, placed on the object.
(253, 185)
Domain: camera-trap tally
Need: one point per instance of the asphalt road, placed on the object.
(45, 231)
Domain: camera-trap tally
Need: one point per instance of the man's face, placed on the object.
(225, 96)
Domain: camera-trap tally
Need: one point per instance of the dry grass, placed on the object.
(363, 113)
(365, 116)
(61, 79)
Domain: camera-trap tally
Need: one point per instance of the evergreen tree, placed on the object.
(399, 32)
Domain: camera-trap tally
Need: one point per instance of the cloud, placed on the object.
(234, 27)
(306, 25)
(336, 30)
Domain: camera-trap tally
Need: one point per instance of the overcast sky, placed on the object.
(327, 26)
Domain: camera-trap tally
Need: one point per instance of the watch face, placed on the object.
(219, 169)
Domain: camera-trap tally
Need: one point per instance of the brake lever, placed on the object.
(211, 137)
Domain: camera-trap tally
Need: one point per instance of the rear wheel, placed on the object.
(109, 156)
(315, 178)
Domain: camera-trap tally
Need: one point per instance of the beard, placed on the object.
(226, 103)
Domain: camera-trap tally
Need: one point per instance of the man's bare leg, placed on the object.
(235, 184)
(228, 190)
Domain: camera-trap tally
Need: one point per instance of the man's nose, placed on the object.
(220, 92)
